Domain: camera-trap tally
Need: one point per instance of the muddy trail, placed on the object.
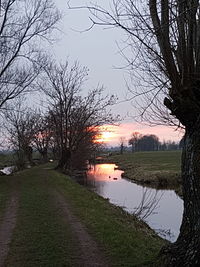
(7, 225)
(17, 239)
(90, 254)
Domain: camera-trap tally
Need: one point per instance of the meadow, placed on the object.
(156, 167)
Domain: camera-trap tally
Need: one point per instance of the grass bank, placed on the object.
(42, 238)
(160, 168)
(126, 241)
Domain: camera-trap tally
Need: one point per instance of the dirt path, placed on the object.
(7, 226)
(90, 254)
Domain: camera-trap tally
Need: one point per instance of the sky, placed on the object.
(97, 49)
(112, 134)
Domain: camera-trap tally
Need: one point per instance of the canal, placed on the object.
(161, 209)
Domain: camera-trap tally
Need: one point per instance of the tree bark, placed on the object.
(65, 160)
(29, 155)
(186, 250)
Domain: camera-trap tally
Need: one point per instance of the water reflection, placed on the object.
(104, 172)
(149, 204)
(161, 209)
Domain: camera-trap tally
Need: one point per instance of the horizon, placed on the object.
(114, 133)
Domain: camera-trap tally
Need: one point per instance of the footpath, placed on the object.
(48, 220)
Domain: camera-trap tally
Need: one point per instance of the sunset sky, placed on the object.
(97, 49)
(112, 134)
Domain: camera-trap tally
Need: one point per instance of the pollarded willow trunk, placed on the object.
(186, 250)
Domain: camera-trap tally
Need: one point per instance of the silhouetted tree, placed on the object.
(20, 124)
(122, 144)
(171, 145)
(164, 38)
(23, 26)
(133, 141)
(76, 118)
(42, 139)
(163, 146)
(148, 143)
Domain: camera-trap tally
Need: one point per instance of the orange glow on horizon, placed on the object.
(110, 134)
(106, 134)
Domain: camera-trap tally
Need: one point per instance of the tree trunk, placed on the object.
(65, 160)
(121, 149)
(44, 155)
(20, 162)
(186, 250)
(29, 155)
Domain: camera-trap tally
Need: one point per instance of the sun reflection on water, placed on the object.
(104, 172)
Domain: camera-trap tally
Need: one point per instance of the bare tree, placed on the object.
(20, 125)
(86, 149)
(76, 117)
(23, 26)
(122, 141)
(133, 141)
(42, 139)
(163, 37)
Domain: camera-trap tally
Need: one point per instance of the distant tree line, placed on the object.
(150, 142)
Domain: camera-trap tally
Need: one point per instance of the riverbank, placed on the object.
(50, 204)
(158, 168)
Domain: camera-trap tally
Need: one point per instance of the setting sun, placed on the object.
(104, 137)
(106, 134)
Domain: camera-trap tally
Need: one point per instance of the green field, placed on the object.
(162, 167)
(43, 238)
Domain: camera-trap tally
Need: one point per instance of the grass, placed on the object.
(42, 238)
(9, 159)
(160, 167)
(127, 241)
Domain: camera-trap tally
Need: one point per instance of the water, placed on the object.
(8, 170)
(161, 209)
